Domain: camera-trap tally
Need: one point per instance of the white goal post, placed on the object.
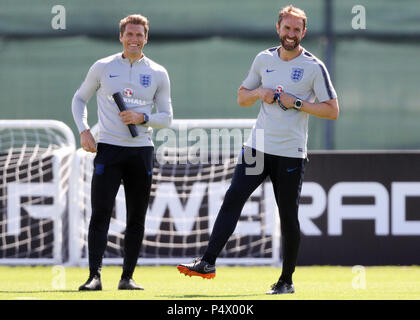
(45, 196)
(187, 192)
(35, 162)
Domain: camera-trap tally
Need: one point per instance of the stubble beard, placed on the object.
(287, 46)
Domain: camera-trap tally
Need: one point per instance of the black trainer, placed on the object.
(92, 284)
(199, 268)
(128, 284)
(281, 287)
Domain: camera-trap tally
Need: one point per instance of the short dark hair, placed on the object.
(293, 11)
(134, 19)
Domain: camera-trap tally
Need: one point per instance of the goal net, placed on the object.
(193, 165)
(35, 166)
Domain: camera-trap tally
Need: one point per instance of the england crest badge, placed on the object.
(145, 80)
(297, 74)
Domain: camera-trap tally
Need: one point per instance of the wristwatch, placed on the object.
(146, 119)
(298, 104)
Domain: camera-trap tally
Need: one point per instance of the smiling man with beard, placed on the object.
(283, 120)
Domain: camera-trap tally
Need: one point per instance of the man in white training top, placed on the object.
(283, 122)
(120, 157)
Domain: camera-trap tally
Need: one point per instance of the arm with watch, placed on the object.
(132, 117)
(162, 118)
(327, 109)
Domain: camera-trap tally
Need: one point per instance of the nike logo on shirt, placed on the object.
(113, 76)
(269, 70)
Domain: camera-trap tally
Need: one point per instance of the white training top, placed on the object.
(285, 133)
(142, 85)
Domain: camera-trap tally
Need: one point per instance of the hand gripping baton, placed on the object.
(121, 105)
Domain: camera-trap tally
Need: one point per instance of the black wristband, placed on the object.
(277, 98)
(146, 119)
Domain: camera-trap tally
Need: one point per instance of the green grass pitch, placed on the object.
(231, 283)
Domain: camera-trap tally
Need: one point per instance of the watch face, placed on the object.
(298, 103)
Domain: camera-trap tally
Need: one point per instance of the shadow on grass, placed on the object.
(38, 291)
(193, 296)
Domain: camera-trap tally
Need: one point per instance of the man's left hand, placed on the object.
(287, 100)
(131, 117)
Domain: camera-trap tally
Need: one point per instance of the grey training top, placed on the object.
(142, 85)
(285, 133)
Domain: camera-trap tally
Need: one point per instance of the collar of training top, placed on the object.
(126, 60)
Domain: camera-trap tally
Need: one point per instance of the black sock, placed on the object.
(210, 258)
(94, 273)
(126, 275)
(287, 279)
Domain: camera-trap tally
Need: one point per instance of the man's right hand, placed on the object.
(87, 141)
(266, 95)
(247, 98)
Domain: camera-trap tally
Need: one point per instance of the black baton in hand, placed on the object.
(121, 105)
